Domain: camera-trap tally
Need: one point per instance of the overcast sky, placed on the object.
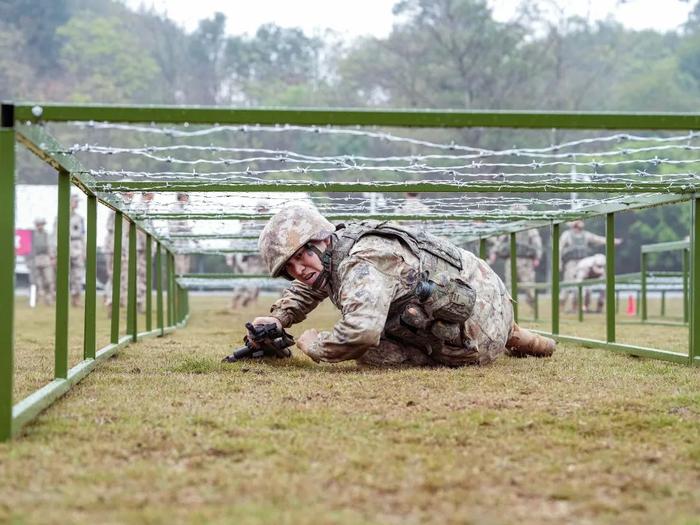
(362, 17)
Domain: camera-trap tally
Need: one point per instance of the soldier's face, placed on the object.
(304, 265)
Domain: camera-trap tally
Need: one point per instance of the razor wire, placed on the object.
(211, 162)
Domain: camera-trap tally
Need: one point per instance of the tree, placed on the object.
(104, 61)
(37, 21)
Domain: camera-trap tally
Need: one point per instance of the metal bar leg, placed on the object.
(149, 282)
(694, 253)
(537, 304)
(643, 305)
(89, 345)
(514, 276)
(159, 292)
(7, 266)
(62, 276)
(580, 302)
(169, 283)
(116, 276)
(686, 271)
(663, 303)
(131, 319)
(555, 278)
(610, 276)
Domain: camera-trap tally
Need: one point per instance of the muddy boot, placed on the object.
(523, 342)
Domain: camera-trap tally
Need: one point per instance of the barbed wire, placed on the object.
(620, 161)
(382, 136)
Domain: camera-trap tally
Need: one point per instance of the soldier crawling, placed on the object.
(576, 244)
(406, 297)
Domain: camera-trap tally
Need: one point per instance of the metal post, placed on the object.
(62, 276)
(116, 276)
(537, 304)
(555, 278)
(610, 276)
(173, 288)
(149, 281)
(514, 276)
(663, 303)
(89, 345)
(159, 292)
(169, 284)
(482, 249)
(7, 266)
(694, 253)
(580, 302)
(645, 260)
(131, 324)
(686, 271)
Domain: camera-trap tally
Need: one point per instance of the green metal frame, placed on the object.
(19, 125)
(14, 416)
(664, 247)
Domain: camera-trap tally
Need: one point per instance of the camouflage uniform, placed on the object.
(42, 267)
(109, 252)
(371, 283)
(183, 262)
(245, 293)
(77, 253)
(141, 271)
(528, 246)
(574, 246)
(592, 267)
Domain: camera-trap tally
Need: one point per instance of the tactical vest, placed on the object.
(432, 314)
(578, 249)
(40, 243)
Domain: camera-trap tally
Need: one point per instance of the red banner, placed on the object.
(23, 242)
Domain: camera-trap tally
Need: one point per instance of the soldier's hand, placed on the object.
(536, 263)
(306, 341)
(618, 241)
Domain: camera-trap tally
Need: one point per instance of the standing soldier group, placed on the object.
(43, 256)
(141, 291)
(577, 261)
(528, 249)
(575, 246)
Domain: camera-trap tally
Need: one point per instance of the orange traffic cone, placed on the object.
(631, 305)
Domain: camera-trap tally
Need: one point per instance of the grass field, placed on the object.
(165, 433)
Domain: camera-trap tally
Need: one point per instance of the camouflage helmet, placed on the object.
(286, 232)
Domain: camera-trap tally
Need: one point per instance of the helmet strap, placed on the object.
(325, 258)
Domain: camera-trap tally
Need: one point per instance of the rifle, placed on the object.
(263, 340)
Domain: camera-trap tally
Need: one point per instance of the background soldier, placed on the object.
(147, 199)
(77, 250)
(576, 244)
(528, 246)
(244, 293)
(412, 205)
(592, 267)
(42, 261)
(405, 296)
(124, 257)
(182, 261)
